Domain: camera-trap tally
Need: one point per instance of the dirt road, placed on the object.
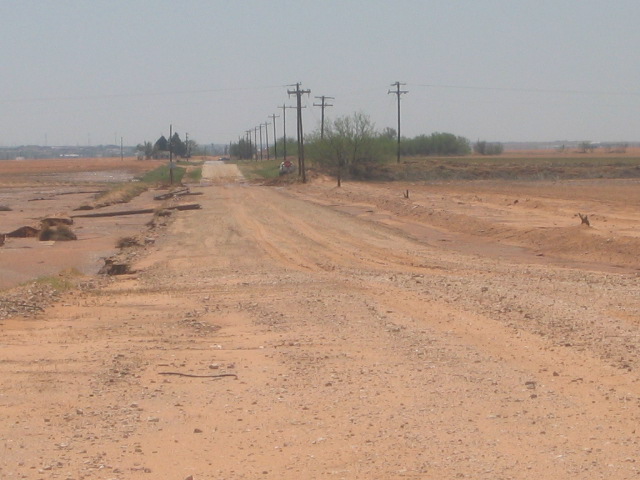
(361, 335)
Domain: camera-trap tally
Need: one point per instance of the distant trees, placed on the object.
(488, 148)
(145, 150)
(435, 144)
(161, 145)
(352, 146)
(615, 147)
(389, 133)
(242, 149)
(192, 148)
(178, 147)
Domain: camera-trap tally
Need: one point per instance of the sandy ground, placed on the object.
(472, 330)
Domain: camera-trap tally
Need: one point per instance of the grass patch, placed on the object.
(121, 193)
(162, 175)
(266, 169)
(194, 175)
(62, 282)
(125, 192)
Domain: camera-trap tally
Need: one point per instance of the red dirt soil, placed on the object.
(473, 330)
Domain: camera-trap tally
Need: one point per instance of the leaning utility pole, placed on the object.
(273, 117)
(398, 92)
(298, 93)
(323, 105)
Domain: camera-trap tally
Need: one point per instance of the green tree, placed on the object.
(436, 144)
(389, 133)
(161, 145)
(192, 148)
(241, 150)
(145, 149)
(178, 147)
(349, 146)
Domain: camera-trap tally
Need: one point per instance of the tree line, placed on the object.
(162, 146)
(351, 145)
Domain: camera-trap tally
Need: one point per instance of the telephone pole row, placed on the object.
(398, 92)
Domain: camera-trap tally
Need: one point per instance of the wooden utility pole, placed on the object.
(398, 92)
(249, 144)
(170, 155)
(273, 117)
(322, 104)
(248, 139)
(260, 127)
(298, 93)
(266, 136)
(255, 141)
(284, 128)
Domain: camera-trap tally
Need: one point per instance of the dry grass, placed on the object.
(122, 193)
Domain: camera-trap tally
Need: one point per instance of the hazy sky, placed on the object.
(92, 71)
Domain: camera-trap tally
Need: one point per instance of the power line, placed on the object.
(137, 94)
(527, 90)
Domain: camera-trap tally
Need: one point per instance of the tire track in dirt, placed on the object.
(315, 237)
(500, 226)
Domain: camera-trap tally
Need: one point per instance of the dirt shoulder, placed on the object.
(343, 333)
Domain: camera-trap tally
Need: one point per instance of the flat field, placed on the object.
(390, 330)
(33, 189)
